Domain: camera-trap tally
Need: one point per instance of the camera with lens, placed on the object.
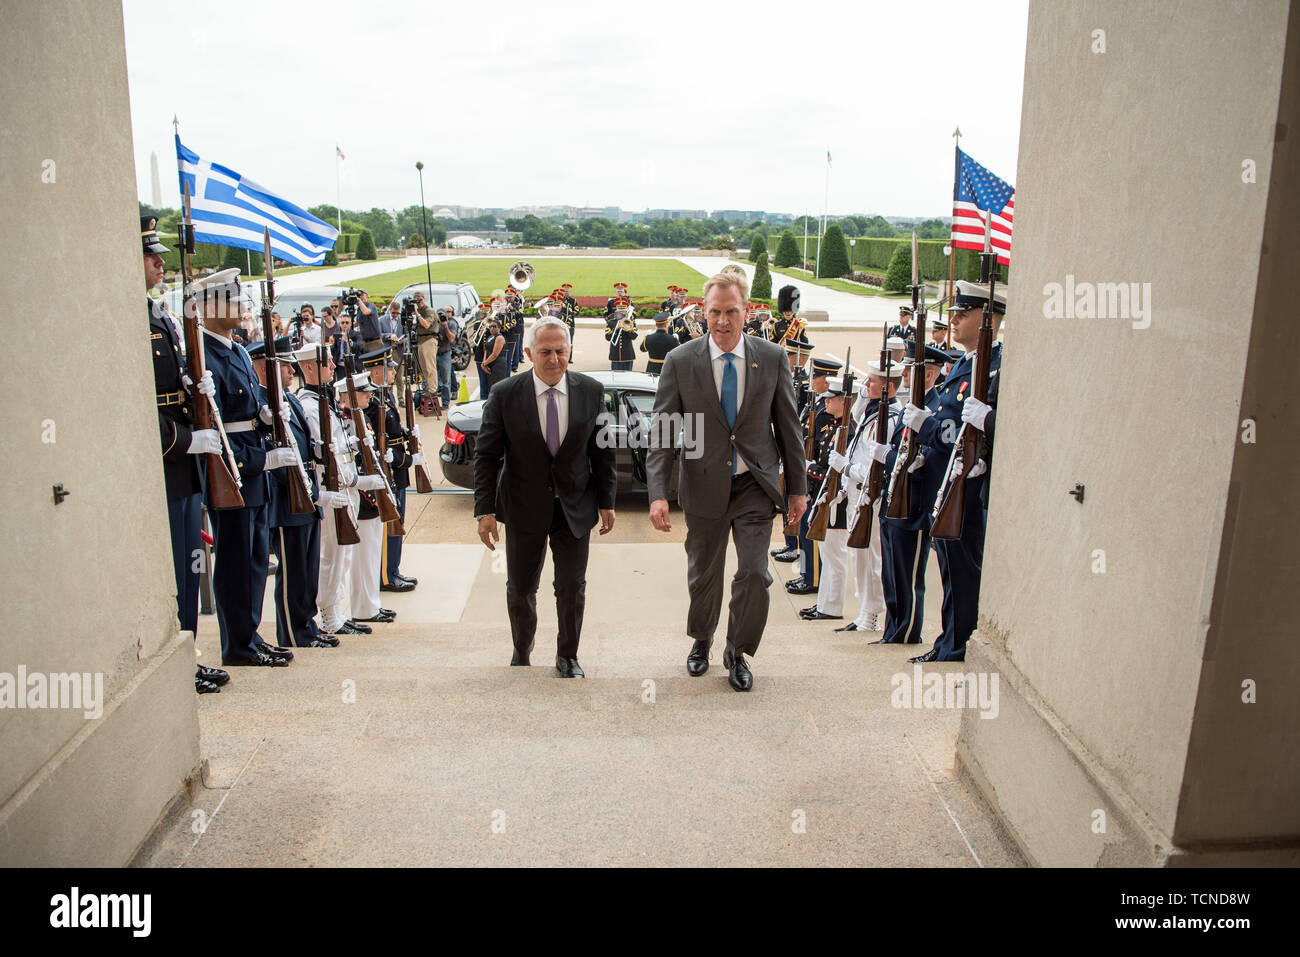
(350, 297)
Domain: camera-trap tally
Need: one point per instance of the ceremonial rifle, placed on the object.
(299, 485)
(423, 483)
(809, 446)
(900, 485)
(222, 471)
(369, 466)
(345, 525)
(950, 504)
(830, 490)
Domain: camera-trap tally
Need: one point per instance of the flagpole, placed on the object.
(952, 257)
(805, 237)
(180, 170)
(338, 188)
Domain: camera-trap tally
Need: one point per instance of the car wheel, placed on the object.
(460, 352)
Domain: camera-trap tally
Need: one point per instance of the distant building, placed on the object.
(739, 215)
(676, 214)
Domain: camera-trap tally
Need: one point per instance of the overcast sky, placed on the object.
(657, 104)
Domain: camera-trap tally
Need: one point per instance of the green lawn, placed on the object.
(837, 284)
(646, 278)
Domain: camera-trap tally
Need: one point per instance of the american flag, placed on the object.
(828, 157)
(339, 151)
(975, 192)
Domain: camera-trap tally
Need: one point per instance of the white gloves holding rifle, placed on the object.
(279, 458)
(205, 441)
(974, 412)
(328, 499)
(838, 461)
(914, 416)
(206, 385)
(371, 483)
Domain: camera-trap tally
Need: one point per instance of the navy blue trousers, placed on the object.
(392, 559)
(810, 558)
(960, 562)
(242, 543)
(296, 583)
(185, 516)
(620, 366)
(905, 553)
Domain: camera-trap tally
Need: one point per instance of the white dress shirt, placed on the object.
(561, 403)
(719, 367)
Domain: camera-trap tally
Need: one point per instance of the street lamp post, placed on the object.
(424, 219)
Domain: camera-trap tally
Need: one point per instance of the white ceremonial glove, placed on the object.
(286, 415)
(914, 417)
(367, 441)
(415, 430)
(388, 456)
(264, 413)
(917, 462)
(974, 412)
(417, 459)
(204, 441)
(371, 483)
(206, 385)
(838, 461)
(878, 451)
(317, 449)
(279, 458)
(328, 499)
(980, 468)
(859, 474)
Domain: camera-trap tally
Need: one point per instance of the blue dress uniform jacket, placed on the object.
(175, 408)
(925, 480)
(941, 429)
(279, 513)
(239, 396)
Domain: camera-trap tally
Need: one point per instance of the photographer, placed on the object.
(437, 331)
(348, 341)
(448, 330)
(307, 324)
(367, 319)
(329, 326)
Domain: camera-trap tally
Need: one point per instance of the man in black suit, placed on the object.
(546, 475)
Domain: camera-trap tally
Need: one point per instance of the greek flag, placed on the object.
(231, 210)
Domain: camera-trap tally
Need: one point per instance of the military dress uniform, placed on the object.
(399, 466)
(622, 349)
(363, 574)
(657, 345)
(810, 558)
(834, 550)
(241, 536)
(512, 327)
(961, 560)
(295, 538)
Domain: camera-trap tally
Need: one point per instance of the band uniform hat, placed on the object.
(787, 299)
(149, 236)
(621, 302)
(970, 295)
(895, 369)
(799, 348)
(824, 366)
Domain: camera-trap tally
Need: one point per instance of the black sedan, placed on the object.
(629, 400)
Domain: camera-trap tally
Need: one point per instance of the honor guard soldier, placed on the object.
(865, 563)
(317, 399)
(903, 329)
(397, 456)
(939, 340)
(905, 542)
(295, 538)
(797, 352)
(241, 536)
(620, 330)
(181, 444)
(960, 560)
(834, 550)
(810, 562)
(658, 344)
(363, 573)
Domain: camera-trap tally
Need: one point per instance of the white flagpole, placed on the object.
(338, 188)
(805, 236)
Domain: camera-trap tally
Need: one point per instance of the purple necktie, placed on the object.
(552, 422)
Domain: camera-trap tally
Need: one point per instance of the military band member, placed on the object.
(960, 561)
(810, 561)
(658, 344)
(512, 327)
(295, 538)
(241, 535)
(181, 444)
(753, 321)
(620, 292)
(787, 325)
(620, 330)
(569, 310)
(865, 563)
(905, 542)
(834, 550)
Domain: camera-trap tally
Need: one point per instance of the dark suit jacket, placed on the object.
(515, 477)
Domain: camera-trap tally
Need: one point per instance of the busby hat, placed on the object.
(787, 299)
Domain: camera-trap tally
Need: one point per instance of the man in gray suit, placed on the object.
(740, 394)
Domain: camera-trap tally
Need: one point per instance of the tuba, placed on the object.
(521, 275)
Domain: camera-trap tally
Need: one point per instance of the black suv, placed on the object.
(461, 298)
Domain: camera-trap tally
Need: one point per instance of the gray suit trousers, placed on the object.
(748, 520)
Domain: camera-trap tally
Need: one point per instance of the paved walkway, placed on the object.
(419, 745)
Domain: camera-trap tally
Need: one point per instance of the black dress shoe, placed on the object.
(357, 628)
(787, 556)
(568, 667)
(405, 578)
(882, 641)
(778, 551)
(275, 651)
(214, 675)
(931, 655)
(256, 659)
(397, 585)
(203, 686)
(794, 583)
(738, 674)
(851, 626)
(347, 628)
(323, 641)
(812, 614)
(803, 590)
(380, 618)
(521, 657)
(387, 611)
(697, 662)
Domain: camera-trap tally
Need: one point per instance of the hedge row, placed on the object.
(875, 254)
